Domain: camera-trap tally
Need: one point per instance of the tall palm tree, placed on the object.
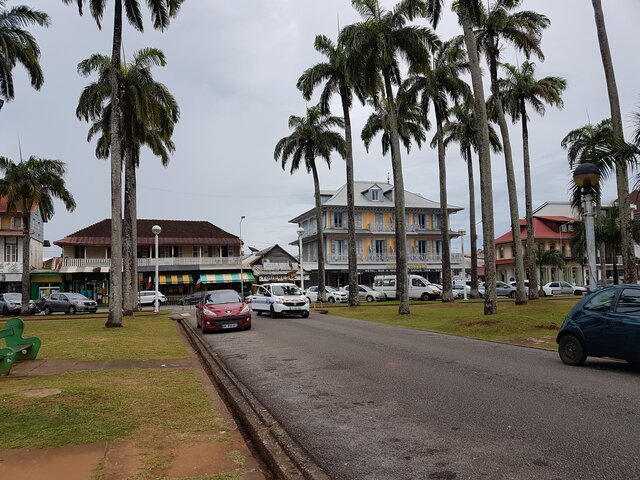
(622, 177)
(519, 88)
(523, 30)
(338, 78)
(375, 44)
(161, 13)
(463, 129)
(28, 184)
(436, 84)
(17, 45)
(469, 12)
(149, 115)
(312, 138)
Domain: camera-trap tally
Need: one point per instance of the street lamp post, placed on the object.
(156, 231)
(586, 176)
(464, 271)
(241, 273)
(300, 231)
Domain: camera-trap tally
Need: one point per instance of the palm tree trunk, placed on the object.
(447, 287)
(133, 206)
(530, 256)
(486, 189)
(26, 260)
(351, 210)
(622, 177)
(402, 274)
(521, 293)
(472, 228)
(321, 279)
(115, 279)
(129, 258)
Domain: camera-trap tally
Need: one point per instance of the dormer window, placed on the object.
(375, 195)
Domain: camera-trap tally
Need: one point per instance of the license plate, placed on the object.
(295, 309)
(230, 325)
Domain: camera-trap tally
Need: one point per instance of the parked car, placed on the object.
(367, 293)
(147, 297)
(458, 290)
(563, 288)
(502, 290)
(605, 323)
(526, 285)
(67, 302)
(11, 303)
(333, 294)
(278, 299)
(419, 287)
(222, 310)
(192, 299)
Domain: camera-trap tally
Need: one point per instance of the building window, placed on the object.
(337, 219)
(338, 247)
(436, 221)
(224, 251)
(423, 247)
(195, 251)
(375, 195)
(358, 219)
(552, 246)
(421, 220)
(144, 252)
(501, 252)
(10, 251)
(381, 247)
(16, 223)
(438, 247)
(79, 252)
(165, 251)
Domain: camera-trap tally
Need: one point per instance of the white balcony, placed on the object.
(456, 258)
(150, 262)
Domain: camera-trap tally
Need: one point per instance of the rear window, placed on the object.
(629, 301)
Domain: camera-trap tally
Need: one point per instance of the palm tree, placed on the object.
(468, 12)
(161, 13)
(312, 138)
(338, 79)
(34, 183)
(375, 45)
(547, 258)
(436, 83)
(523, 31)
(622, 177)
(17, 45)
(463, 129)
(519, 89)
(149, 115)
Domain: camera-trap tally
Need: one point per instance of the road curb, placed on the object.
(284, 456)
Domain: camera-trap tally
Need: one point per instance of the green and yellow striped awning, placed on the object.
(182, 279)
(225, 277)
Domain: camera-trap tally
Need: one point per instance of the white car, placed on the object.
(563, 288)
(147, 297)
(367, 293)
(458, 290)
(333, 294)
(278, 299)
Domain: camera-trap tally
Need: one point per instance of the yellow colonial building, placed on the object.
(375, 234)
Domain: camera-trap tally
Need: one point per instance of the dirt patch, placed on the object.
(41, 392)
(482, 323)
(532, 341)
(121, 460)
(551, 326)
(200, 459)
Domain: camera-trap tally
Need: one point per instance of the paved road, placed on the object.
(377, 402)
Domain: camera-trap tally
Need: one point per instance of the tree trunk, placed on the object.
(115, 278)
(521, 292)
(472, 228)
(129, 257)
(486, 189)
(351, 210)
(530, 256)
(321, 280)
(622, 177)
(447, 285)
(402, 274)
(26, 260)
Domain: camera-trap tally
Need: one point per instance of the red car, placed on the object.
(222, 310)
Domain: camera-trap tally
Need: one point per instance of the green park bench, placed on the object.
(16, 347)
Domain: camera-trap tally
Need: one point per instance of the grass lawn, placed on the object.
(143, 337)
(105, 406)
(537, 320)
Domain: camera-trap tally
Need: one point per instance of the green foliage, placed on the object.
(462, 127)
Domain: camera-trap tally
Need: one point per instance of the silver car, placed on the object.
(11, 303)
(367, 293)
(68, 302)
(333, 294)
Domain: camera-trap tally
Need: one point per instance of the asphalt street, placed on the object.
(370, 401)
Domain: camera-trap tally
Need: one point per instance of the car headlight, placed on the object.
(306, 300)
(278, 299)
(209, 313)
(245, 309)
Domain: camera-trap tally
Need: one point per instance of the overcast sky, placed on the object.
(233, 66)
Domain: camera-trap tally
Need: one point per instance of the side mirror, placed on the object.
(198, 306)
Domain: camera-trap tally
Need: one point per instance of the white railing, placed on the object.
(382, 227)
(456, 258)
(150, 262)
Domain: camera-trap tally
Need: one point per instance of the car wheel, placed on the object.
(272, 313)
(512, 295)
(47, 310)
(5, 311)
(577, 293)
(332, 300)
(72, 310)
(424, 297)
(571, 351)
(259, 313)
(305, 315)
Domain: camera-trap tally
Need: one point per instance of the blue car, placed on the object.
(605, 323)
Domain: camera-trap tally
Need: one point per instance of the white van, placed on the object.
(419, 287)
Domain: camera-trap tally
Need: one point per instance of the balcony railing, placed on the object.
(456, 258)
(150, 262)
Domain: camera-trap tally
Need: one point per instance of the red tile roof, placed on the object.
(174, 232)
(541, 230)
(4, 206)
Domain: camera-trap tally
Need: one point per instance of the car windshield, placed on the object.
(13, 297)
(222, 297)
(330, 289)
(286, 290)
(75, 296)
(365, 288)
